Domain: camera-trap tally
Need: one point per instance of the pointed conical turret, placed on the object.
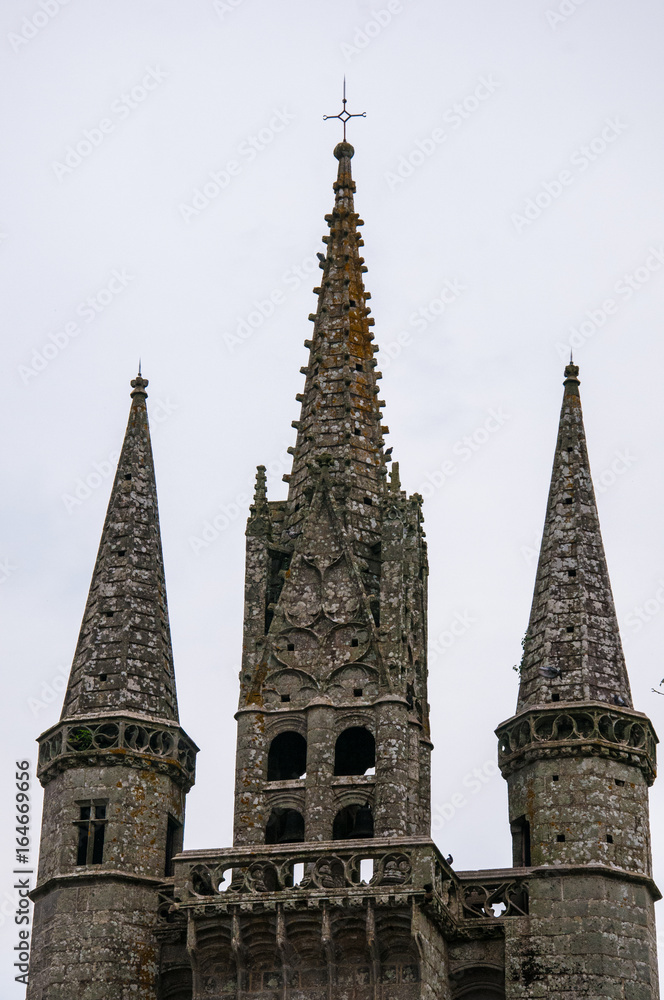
(572, 649)
(340, 414)
(124, 660)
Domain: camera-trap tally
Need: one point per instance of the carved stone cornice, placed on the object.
(118, 740)
(593, 729)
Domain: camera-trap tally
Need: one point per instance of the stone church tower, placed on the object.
(333, 887)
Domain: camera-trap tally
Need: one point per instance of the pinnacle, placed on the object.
(124, 659)
(572, 649)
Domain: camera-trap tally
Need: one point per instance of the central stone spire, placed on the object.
(340, 420)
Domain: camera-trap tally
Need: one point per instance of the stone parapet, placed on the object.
(113, 740)
(571, 730)
(349, 874)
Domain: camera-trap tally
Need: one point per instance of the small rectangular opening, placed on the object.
(102, 677)
(122, 552)
(357, 692)
(298, 872)
(366, 870)
(109, 614)
(620, 782)
(91, 825)
(357, 431)
(285, 697)
(555, 697)
(555, 777)
(354, 642)
(567, 500)
(359, 368)
(560, 839)
(570, 628)
(173, 843)
(368, 501)
(290, 646)
(609, 838)
(571, 572)
(128, 476)
(520, 829)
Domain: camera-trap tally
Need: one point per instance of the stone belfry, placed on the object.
(117, 766)
(334, 658)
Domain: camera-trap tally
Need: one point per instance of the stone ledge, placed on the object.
(86, 877)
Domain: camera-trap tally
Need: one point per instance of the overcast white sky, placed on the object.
(511, 161)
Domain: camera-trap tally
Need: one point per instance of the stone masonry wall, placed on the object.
(589, 936)
(586, 800)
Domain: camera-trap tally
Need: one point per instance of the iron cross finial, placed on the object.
(345, 115)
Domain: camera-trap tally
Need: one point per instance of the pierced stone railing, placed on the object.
(117, 740)
(595, 728)
(340, 874)
(483, 896)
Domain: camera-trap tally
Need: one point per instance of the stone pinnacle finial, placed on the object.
(260, 491)
(138, 386)
(395, 481)
(571, 382)
(344, 149)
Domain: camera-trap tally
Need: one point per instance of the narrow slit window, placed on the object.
(520, 829)
(609, 838)
(354, 642)
(91, 825)
(174, 831)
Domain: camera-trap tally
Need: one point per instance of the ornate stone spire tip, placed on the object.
(138, 386)
(571, 382)
(344, 149)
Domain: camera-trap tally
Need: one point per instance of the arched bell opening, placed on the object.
(287, 757)
(478, 983)
(353, 822)
(355, 751)
(285, 826)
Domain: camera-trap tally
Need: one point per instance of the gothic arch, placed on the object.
(478, 982)
(354, 751)
(287, 756)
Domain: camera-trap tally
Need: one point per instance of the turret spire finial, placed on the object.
(139, 385)
(344, 115)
